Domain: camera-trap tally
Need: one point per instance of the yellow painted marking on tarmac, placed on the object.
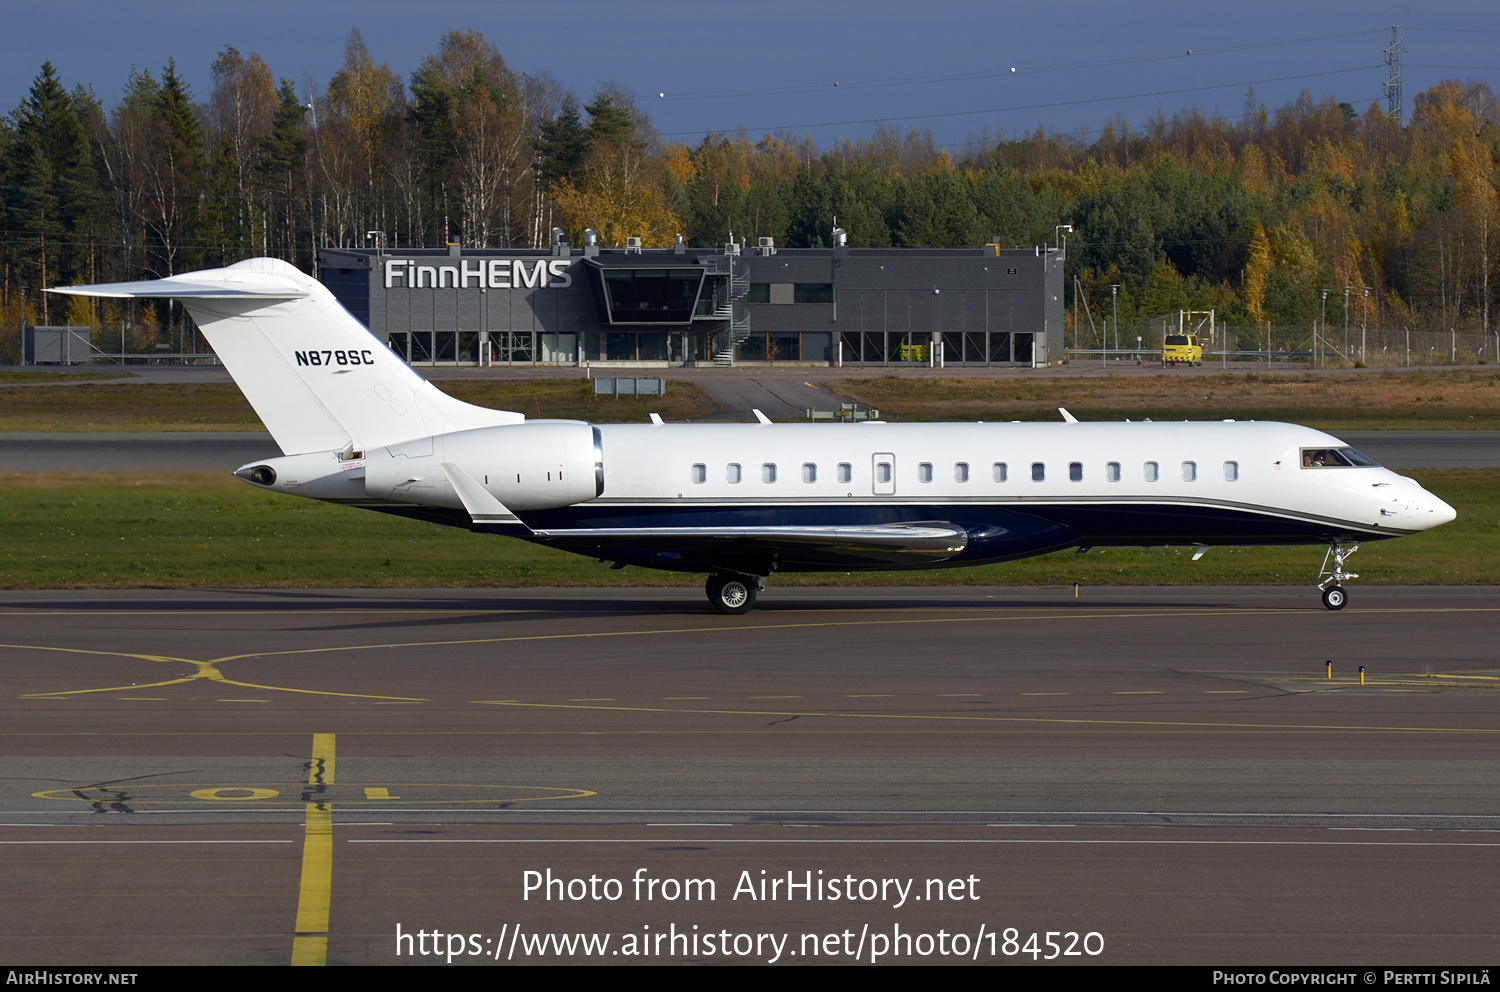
(871, 695)
(1225, 691)
(146, 795)
(862, 622)
(598, 699)
(976, 718)
(1138, 692)
(1046, 694)
(234, 794)
(202, 670)
(310, 943)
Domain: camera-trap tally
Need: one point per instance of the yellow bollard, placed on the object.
(1330, 669)
(1361, 674)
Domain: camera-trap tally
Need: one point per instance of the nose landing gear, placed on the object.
(1334, 596)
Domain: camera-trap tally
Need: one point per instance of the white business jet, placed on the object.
(743, 501)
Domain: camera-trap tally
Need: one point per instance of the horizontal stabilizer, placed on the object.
(238, 282)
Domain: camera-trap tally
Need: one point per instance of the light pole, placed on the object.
(1114, 302)
(1363, 321)
(1346, 323)
(1323, 322)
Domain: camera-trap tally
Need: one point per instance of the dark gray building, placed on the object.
(735, 305)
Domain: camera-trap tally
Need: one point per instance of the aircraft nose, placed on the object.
(1439, 512)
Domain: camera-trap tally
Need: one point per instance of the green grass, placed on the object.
(1460, 399)
(42, 376)
(222, 407)
(207, 530)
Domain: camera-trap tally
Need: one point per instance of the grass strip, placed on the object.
(209, 530)
(1459, 399)
(222, 407)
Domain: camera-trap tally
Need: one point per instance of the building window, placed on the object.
(1000, 472)
(846, 472)
(1038, 472)
(700, 474)
(1075, 471)
(812, 292)
(760, 292)
(1152, 472)
(768, 472)
(732, 473)
(1112, 471)
(809, 472)
(961, 472)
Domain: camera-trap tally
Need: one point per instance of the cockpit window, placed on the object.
(1335, 458)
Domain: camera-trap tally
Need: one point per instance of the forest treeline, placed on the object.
(1254, 217)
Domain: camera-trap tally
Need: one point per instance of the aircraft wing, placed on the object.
(753, 549)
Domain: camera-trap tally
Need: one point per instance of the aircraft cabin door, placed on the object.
(883, 473)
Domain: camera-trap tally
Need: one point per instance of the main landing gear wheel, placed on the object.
(1334, 597)
(732, 594)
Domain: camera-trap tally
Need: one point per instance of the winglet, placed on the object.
(760, 417)
(486, 512)
(1067, 416)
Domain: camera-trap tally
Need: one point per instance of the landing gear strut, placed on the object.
(1334, 596)
(733, 594)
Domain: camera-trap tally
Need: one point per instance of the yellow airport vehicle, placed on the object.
(1182, 349)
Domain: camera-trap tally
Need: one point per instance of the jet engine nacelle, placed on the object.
(530, 466)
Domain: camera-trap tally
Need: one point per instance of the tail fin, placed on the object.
(316, 376)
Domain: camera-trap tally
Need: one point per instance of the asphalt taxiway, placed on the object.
(1189, 775)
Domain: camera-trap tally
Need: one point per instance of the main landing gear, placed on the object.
(1334, 596)
(733, 594)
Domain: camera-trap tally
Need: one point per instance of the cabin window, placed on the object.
(768, 472)
(700, 473)
(883, 472)
(1152, 472)
(809, 472)
(1231, 471)
(924, 472)
(961, 472)
(1112, 471)
(1038, 471)
(1075, 471)
(1000, 472)
(1189, 471)
(846, 472)
(732, 473)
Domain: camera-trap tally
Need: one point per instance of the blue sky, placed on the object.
(772, 64)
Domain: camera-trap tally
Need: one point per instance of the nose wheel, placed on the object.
(733, 594)
(1333, 575)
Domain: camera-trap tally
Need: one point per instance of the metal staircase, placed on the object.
(730, 307)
